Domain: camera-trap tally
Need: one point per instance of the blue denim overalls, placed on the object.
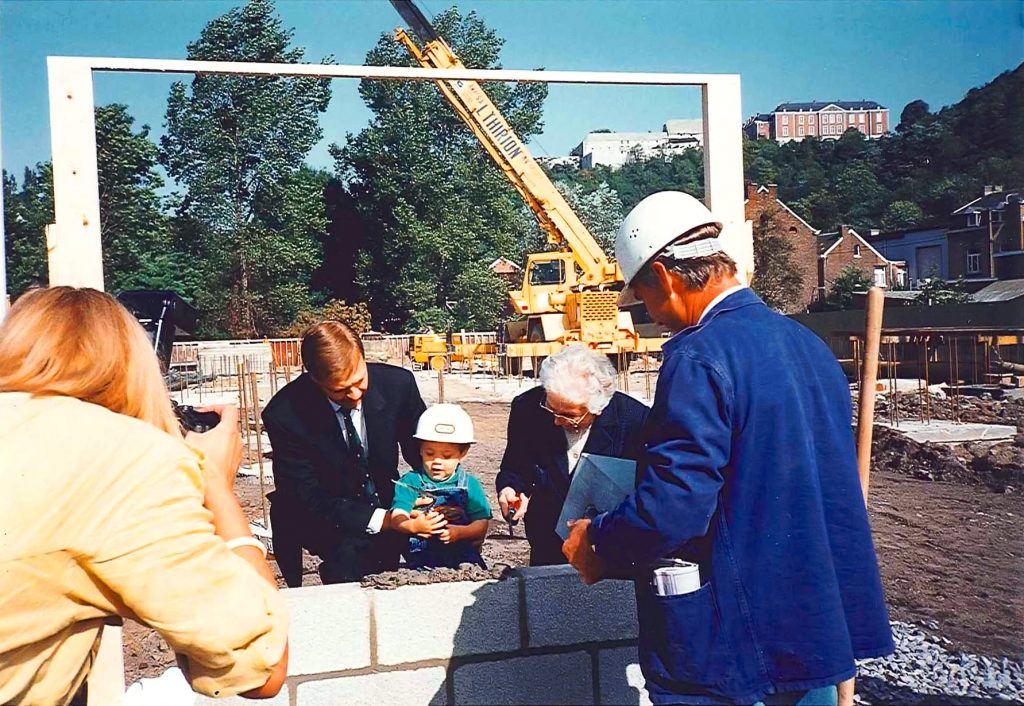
(452, 502)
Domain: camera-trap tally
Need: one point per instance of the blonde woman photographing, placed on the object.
(106, 510)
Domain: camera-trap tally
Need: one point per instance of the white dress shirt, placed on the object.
(575, 441)
(359, 422)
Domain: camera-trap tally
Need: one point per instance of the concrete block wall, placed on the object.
(537, 637)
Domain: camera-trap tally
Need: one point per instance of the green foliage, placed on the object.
(901, 214)
(236, 144)
(134, 230)
(937, 291)
(935, 161)
(777, 278)
(850, 280)
(434, 206)
(27, 211)
(357, 316)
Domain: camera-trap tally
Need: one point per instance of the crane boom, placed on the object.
(559, 222)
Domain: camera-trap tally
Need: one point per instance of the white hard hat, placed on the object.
(654, 224)
(445, 422)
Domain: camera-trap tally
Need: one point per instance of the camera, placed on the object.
(164, 315)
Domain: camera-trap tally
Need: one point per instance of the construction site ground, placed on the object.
(950, 540)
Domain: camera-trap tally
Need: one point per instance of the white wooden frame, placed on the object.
(73, 244)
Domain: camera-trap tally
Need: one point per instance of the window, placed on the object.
(800, 131)
(973, 263)
(879, 275)
(996, 216)
(878, 117)
(856, 250)
(860, 118)
(973, 219)
(552, 272)
(801, 119)
(785, 130)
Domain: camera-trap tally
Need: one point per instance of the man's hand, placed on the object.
(581, 554)
(422, 525)
(846, 690)
(222, 447)
(517, 501)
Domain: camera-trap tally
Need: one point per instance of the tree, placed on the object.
(901, 214)
(914, 112)
(27, 211)
(237, 144)
(134, 230)
(936, 291)
(433, 205)
(850, 280)
(777, 278)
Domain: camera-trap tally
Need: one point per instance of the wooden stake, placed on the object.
(254, 386)
(866, 413)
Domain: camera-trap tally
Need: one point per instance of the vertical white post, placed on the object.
(3, 242)
(75, 252)
(723, 167)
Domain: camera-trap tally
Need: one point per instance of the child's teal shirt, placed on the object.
(478, 508)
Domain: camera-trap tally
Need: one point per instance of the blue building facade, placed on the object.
(925, 250)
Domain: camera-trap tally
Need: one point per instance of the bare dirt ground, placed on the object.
(951, 551)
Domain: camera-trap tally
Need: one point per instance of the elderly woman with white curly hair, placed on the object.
(575, 409)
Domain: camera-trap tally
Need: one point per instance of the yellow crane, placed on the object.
(567, 295)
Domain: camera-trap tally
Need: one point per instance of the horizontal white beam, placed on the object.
(181, 66)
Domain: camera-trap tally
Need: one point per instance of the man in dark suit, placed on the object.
(575, 410)
(335, 432)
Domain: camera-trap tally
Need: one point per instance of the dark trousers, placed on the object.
(344, 557)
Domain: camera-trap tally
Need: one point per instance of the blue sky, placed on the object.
(889, 51)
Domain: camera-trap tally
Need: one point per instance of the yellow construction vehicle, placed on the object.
(567, 295)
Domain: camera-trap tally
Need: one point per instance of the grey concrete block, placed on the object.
(280, 700)
(330, 628)
(416, 686)
(541, 679)
(437, 621)
(561, 610)
(621, 682)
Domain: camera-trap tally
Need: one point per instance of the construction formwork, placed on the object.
(915, 364)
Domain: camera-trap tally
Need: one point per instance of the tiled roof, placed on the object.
(818, 105)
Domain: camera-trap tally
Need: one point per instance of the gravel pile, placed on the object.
(924, 671)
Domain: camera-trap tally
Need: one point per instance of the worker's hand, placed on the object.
(578, 550)
(508, 498)
(222, 447)
(424, 526)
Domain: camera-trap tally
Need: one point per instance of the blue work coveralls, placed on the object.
(750, 471)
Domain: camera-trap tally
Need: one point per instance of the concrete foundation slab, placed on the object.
(941, 431)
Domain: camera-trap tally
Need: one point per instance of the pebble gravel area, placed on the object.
(924, 670)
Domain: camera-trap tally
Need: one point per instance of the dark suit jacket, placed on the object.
(318, 487)
(535, 461)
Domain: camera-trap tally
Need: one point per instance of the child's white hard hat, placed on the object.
(445, 422)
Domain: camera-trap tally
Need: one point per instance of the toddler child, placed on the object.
(451, 530)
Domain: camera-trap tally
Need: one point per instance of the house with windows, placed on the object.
(986, 238)
(763, 206)
(826, 120)
(847, 248)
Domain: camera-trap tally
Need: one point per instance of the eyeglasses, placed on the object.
(574, 421)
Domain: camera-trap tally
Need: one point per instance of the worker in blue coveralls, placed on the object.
(749, 473)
